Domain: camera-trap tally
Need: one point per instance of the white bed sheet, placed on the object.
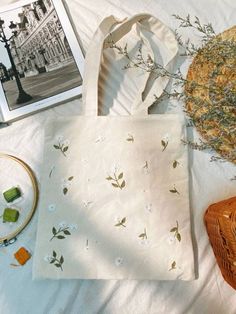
(209, 182)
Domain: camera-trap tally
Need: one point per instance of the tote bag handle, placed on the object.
(102, 40)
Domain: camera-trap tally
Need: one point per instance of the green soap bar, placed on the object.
(10, 215)
(12, 194)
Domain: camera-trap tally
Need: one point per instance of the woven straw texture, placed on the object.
(207, 102)
(220, 220)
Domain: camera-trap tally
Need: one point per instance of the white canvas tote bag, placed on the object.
(114, 190)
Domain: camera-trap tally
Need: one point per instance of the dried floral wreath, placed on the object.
(208, 91)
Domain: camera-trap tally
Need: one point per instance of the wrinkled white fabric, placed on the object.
(209, 182)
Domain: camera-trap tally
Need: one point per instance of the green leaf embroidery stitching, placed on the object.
(121, 223)
(57, 262)
(143, 235)
(177, 235)
(174, 190)
(130, 138)
(62, 147)
(164, 144)
(173, 266)
(58, 233)
(117, 183)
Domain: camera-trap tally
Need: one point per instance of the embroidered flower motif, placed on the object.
(100, 139)
(148, 208)
(171, 239)
(61, 145)
(66, 183)
(165, 141)
(62, 225)
(144, 242)
(51, 207)
(117, 179)
(48, 258)
(87, 204)
(119, 261)
(73, 227)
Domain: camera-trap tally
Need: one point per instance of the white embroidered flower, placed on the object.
(59, 138)
(87, 204)
(65, 143)
(100, 139)
(84, 161)
(115, 168)
(148, 208)
(51, 207)
(48, 258)
(73, 227)
(119, 261)
(144, 242)
(166, 136)
(62, 225)
(171, 239)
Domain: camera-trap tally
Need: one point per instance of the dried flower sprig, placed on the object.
(220, 105)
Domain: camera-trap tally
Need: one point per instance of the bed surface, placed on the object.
(209, 182)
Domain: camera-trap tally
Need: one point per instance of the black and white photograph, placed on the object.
(36, 58)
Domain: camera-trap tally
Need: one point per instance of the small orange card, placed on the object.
(22, 256)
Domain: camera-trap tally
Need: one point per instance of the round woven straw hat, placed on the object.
(210, 91)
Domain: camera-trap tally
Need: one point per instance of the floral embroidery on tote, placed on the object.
(100, 139)
(173, 266)
(62, 231)
(175, 164)
(66, 183)
(143, 235)
(118, 181)
(121, 223)
(51, 207)
(146, 167)
(148, 208)
(177, 235)
(130, 138)
(164, 144)
(51, 172)
(62, 145)
(174, 190)
(119, 261)
(87, 204)
(54, 260)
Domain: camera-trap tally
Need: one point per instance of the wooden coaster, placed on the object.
(213, 113)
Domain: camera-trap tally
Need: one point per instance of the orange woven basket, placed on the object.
(220, 221)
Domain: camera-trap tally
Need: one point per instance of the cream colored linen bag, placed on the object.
(114, 190)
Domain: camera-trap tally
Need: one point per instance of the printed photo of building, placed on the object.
(41, 54)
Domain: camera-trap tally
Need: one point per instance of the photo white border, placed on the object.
(7, 114)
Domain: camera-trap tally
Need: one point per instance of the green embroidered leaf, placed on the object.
(123, 220)
(62, 260)
(120, 176)
(70, 178)
(109, 178)
(54, 230)
(52, 261)
(118, 224)
(54, 254)
(173, 191)
(142, 235)
(164, 145)
(67, 232)
(65, 190)
(56, 146)
(58, 265)
(60, 237)
(175, 163)
(173, 229)
(115, 185)
(65, 149)
(173, 264)
(178, 236)
(123, 184)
